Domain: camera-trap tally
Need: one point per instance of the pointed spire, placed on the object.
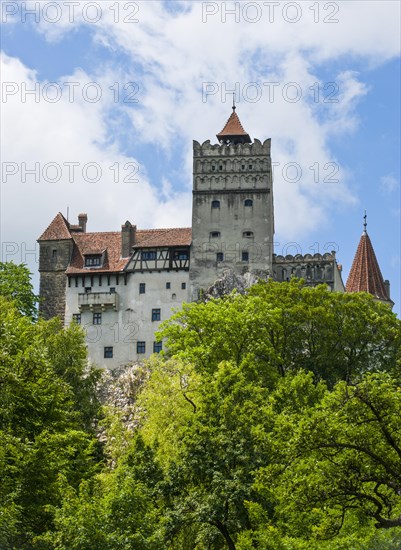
(233, 131)
(365, 274)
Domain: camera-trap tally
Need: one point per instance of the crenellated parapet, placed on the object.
(234, 166)
(207, 149)
(314, 269)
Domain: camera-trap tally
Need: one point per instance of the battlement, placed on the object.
(206, 149)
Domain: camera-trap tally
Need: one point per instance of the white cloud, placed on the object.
(171, 55)
(389, 183)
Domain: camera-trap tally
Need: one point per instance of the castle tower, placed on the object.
(365, 274)
(55, 249)
(232, 212)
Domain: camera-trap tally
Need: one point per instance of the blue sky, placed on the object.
(166, 60)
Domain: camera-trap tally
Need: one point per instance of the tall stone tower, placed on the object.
(55, 246)
(232, 212)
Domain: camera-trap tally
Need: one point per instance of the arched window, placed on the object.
(215, 204)
(248, 202)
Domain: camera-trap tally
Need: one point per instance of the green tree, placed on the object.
(15, 284)
(284, 327)
(42, 430)
(343, 457)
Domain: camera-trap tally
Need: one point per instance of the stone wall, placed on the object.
(53, 261)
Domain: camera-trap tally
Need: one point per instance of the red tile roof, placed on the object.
(58, 229)
(365, 274)
(96, 243)
(233, 127)
(181, 236)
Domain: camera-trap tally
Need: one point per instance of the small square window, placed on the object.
(157, 347)
(108, 352)
(155, 314)
(141, 347)
(168, 285)
(112, 290)
(248, 202)
(97, 318)
(220, 256)
(142, 287)
(215, 204)
(88, 289)
(245, 256)
(76, 317)
(183, 286)
(215, 234)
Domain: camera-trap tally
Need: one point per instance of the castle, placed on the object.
(121, 285)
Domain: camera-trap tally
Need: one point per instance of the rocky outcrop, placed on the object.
(229, 281)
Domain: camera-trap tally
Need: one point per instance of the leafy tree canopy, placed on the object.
(15, 284)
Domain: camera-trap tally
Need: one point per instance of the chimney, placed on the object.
(82, 219)
(128, 232)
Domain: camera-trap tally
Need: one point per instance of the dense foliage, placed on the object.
(271, 423)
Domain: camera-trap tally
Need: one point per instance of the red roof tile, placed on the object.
(58, 229)
(181, 236)
(233, 127)
(365, 274)
(97, 243)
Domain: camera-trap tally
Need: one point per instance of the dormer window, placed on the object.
(248, 202)
(215, 204)
(93, 260)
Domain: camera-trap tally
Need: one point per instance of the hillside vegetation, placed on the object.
(272, 422)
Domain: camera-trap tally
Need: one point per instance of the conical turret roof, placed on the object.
(365, 274)
(233, 131)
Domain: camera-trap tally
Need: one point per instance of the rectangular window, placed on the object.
(93, 261)
(76, 317)
(148, 255)
(141, 347)
(54, 254)
(97, 318)
(112, 290)
(155, 314)
(157, 347)
(168, 285)
(183, 286)
(220, 256)
(108, 352)
(88, 289)
(142, 287)
(245, 256)
(181, 255)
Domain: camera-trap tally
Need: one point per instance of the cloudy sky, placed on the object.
(101, 101)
